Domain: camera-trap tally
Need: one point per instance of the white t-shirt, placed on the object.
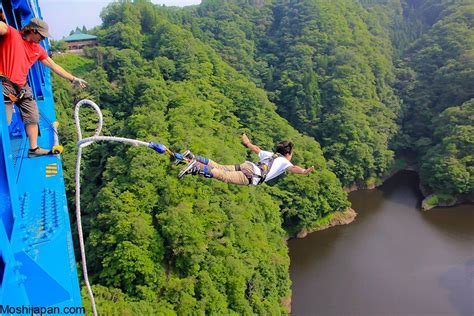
(279, 165)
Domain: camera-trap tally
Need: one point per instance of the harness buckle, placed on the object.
(21, 94)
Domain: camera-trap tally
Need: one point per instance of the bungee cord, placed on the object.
(84, 142)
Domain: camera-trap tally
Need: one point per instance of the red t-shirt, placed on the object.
(17, 56)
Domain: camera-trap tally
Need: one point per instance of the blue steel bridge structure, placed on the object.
(37, 263)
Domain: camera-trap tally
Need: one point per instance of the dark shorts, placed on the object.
(27, 105)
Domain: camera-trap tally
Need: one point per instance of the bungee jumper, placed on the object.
(269, 166)
(18, 52)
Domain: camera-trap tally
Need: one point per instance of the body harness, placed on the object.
(264, 165)
(13, 97)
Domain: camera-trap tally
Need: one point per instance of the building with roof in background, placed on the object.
(78, 40)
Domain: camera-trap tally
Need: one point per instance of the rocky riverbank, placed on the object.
(334, 219)
(434, 199)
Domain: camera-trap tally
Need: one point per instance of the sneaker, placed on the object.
(190, 168)
(189, 155)
(185, 157)
(38, 152)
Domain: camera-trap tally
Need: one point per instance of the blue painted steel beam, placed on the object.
(37, 263)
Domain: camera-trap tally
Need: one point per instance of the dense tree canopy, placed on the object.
(448, 167)
(436, 84)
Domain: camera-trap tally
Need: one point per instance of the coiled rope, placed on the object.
(81, 143)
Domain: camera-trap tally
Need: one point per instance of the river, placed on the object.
(394, 259)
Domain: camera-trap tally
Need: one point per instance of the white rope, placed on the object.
(81, 143)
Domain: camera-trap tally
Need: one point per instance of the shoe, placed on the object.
(196, 168)
(185, 157)
(190, 168)
(38, 152)
(189, 155)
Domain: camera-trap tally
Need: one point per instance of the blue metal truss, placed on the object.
(37, 263)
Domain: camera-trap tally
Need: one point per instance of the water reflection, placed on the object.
(408, 195)
(459, 281)
(394, 259)
(443, 221)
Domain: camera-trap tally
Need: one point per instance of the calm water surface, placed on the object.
(393, 260)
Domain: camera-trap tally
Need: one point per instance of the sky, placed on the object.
(64, 15)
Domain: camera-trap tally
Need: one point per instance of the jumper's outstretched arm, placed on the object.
(247, 143)
(300, 170)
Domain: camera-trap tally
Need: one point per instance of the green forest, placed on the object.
(363, 88)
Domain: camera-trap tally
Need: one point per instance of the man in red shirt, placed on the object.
(18, 52)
